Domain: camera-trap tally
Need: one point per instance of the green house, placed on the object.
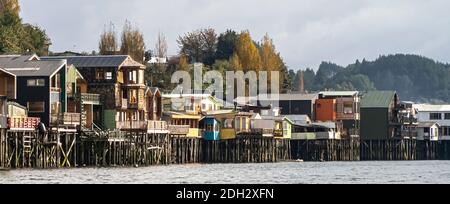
(378, 115)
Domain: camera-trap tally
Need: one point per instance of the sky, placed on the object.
(305, 32)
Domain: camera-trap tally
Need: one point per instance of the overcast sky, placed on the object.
(306, 32)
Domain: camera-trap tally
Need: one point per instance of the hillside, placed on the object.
(415, 78)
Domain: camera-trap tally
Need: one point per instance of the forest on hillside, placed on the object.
(415, 78)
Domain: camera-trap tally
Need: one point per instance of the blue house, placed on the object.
(211, 128)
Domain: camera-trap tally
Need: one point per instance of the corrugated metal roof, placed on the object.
(22, 66)
(97, 61)
(377, 99)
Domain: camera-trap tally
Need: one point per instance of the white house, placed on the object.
(428, 131)
(435, 113)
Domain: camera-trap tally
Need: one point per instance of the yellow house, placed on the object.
(184, 125)
(233, 124)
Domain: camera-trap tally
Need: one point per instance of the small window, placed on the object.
(108, 76)
(36, 82)
(36, 107)
(447, 116)
(348, 108)
(435, 116)
(99, 75)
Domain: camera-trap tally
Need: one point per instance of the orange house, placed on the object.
(325, 110)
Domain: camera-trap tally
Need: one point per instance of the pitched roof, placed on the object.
(29, 65)
(378, 99)
(99, 61)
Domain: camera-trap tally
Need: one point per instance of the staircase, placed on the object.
(27, 149)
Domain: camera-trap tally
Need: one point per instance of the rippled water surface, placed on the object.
(282, 173)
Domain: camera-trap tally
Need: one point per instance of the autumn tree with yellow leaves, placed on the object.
(10, 5)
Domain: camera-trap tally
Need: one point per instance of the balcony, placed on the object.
(66, 119)
(157, 127)
(93, 99)
(23, 123)
(179, 129)
(132, 125)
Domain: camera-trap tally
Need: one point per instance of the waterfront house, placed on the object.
(210, 128)
(428, 131)
(435, 113)
(80, 102)
(120, 82)
(7, 92)
(183, 124)
(282, 126)
(379, 115)
(233, 124)
(340, 107)
(40, 85)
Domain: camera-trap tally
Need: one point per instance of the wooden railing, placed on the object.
(131, 125)
(23, 123)
(157, 126)
(179, 129)
(66, 119)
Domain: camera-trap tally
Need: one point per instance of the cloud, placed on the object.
(306, 32)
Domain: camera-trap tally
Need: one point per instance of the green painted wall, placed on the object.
(109, 119)
(374, 124)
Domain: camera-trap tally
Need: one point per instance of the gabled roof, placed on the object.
(378, 99)
(99, 61)
(30, 65)
(152, 90)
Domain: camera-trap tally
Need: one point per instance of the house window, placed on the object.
(108, 76)
(447, 116)
(36, 82)
(348, 108)
(36, 107)
(445, 131)
(100, 75)
(435, 116)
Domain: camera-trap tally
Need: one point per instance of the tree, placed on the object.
(199, 46)
(132, 42)
(226, 45)
(248, 53)
(35, 40)
(183, 65)
(18, 38)
(235, 62)
(108, 41)
(10, 5)
(161, 46)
